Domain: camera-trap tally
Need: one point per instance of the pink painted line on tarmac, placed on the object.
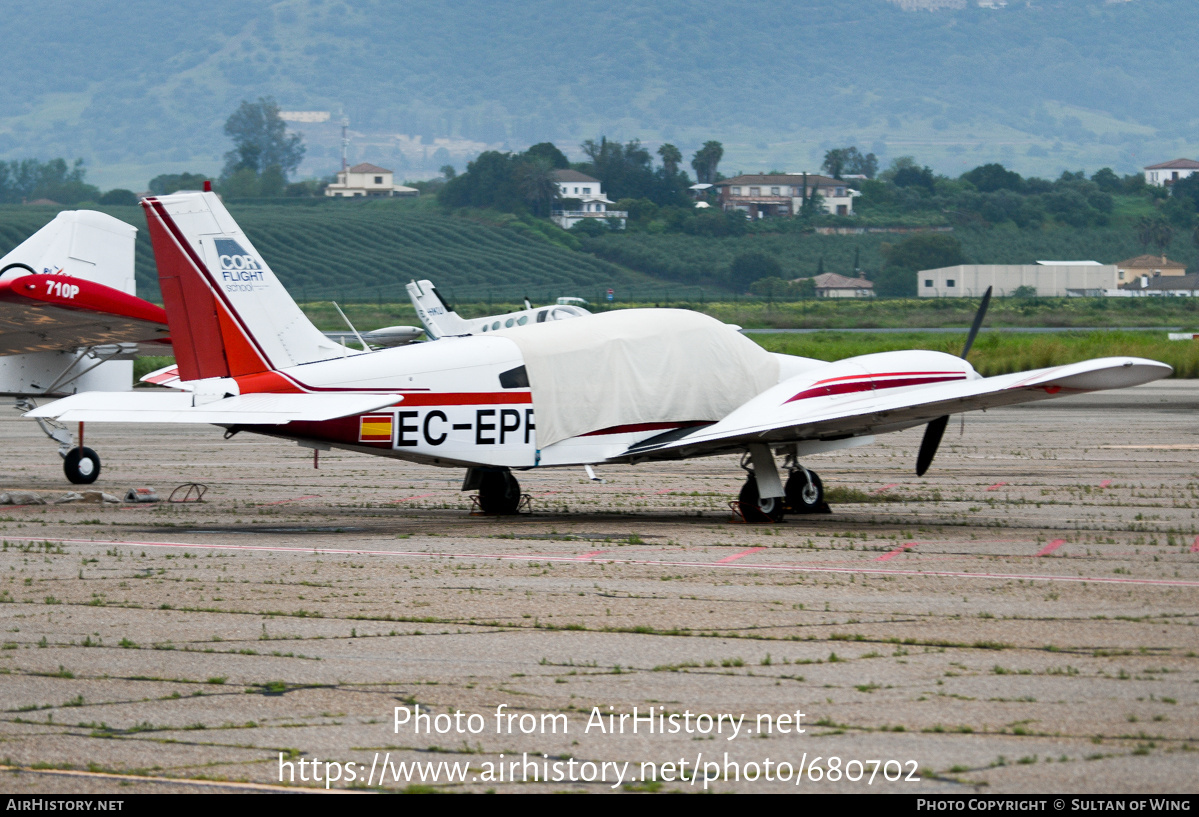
(737, 556)
(893, 553)
(585, 556)
(996, 485)
(295, 499)
(1105, 483)
(1052, 546)
(409, 498)
(1195, 546)
(886, 487)
(526, 557)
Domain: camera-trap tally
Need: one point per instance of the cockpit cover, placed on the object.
(635, 366)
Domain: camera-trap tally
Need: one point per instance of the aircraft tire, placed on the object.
(81, 465)
(758, 510)
(499, 493)
(802, 496)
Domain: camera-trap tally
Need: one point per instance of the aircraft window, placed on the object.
(516, 378)
(495, 325)
(522, 320)
(541, 315)
(508, 323)
(562, 312)
(484, 327)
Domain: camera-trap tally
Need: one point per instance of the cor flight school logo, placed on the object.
(238, 270)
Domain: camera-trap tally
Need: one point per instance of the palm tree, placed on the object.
(671, 158)
(538, 185)
(1156, 231)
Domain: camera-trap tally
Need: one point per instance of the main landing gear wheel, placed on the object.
(758, 510)
(804, 495)
(81, 465)
(499, 493)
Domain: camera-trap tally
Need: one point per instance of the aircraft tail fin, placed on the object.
(79, 243)
(439, 318)
(228, 313)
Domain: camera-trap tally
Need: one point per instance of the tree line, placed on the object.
(525, 182)
(27, 180)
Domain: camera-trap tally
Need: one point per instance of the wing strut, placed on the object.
(936, 429)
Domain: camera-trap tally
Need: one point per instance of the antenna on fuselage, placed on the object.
(365, 348)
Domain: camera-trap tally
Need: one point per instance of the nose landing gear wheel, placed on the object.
(81, 465)
(758, 510)
(804, 495)
(499, 493)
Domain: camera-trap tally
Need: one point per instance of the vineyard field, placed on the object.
(368, 253)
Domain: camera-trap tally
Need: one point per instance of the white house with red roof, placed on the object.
(1166, 173)
(783, 194)
(832, 285)
(587, 195)
(367, 180)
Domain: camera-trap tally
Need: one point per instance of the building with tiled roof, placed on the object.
(367, 180)
(759, 195)
(1166, 173)
(588, 192)
(832, 285)
(1177, 285)
(1132, 270)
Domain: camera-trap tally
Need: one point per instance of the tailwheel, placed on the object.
(499, 493)
(755, 509)
(81, 465)
(805, 492)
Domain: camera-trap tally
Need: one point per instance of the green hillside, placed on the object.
(139, 87)
(351, 251)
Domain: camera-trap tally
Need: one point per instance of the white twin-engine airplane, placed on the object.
(440, 319)
(625, 386)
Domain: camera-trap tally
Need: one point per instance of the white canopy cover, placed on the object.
(636, 366)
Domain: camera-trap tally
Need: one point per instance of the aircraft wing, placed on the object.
(787, 413)
(48, 313)
(176, 407)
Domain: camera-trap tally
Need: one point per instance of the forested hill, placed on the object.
(142, 87)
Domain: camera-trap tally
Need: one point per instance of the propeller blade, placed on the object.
(978, 322)
(935, 430)
(928, 446)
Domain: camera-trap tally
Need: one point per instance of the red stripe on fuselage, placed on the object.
(632, 427)
(874, 382)
(465, 398)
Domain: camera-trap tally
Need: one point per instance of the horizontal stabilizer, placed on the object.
(46, 313)
(176, 407)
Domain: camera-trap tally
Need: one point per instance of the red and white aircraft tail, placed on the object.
(229, 315)
(79, 244)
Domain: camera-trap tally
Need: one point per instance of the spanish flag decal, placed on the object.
(374, 428)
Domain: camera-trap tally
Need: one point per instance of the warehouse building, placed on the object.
(1045, 278)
